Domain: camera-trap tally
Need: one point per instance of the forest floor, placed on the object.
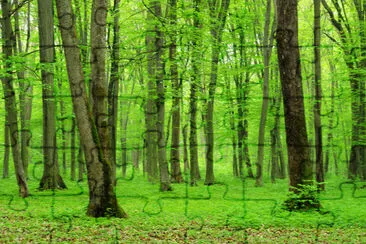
(232, 211)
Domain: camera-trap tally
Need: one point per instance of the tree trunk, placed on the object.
(102, 195)
(267, 43)
(6, 148)
(176, 175)
(195, 80)
(151, 135)
(80, 162)
(73, 150)
(160, 101)
(113, 88)
(25, 98)
(300, 167)
(318, 97)
(218, 14)
(185, 148)
(9, 96)
(51, 177)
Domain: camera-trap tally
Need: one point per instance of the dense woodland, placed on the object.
(266, 89)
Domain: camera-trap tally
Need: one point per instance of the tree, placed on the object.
(9, 96)
(102, 196)
(113, 87)
(51, 177)
(195, 79)
(267, 43)
(218, 14)
(300, 167)
(318, 97)
(176, 174)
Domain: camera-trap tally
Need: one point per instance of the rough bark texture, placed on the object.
(51, 178)
(102, 196)
(300, 167)
(9, 96)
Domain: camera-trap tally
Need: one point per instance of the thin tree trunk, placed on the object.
(160, 100)
(102, 195)
(318, 97)
(267, 43)
(80, 162)
(6, 148)
(73, 150)
(185, 148)
(25, 98)
(195, 80)
(113, 88)
(150, 104)
(176, 175)
(218, 14)
(9, 96)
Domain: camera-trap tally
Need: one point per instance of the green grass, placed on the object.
(231, 211)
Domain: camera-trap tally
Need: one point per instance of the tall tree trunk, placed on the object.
(25, 97)
(102, 195)
(51, 177)
(195, 80)
(318, 97)
(151, 135)
(9, 96)
(160, 101)
(176, 174)
(300, 167)
(218, 12)
(98, 82)
(113, 88)
(267, 43)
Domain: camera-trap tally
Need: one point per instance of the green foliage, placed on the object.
(303, 198)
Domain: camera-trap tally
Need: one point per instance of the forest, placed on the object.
(124, 108)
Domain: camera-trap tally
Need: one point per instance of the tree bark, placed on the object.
(9, 96)
(113, 88)
(176, 175)
(267, 43)
(318, 96)
(25, 97)
(300, 167)
(195, 80)
(6, 148)
(151, 134)
(102, 196)
(51, 177)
